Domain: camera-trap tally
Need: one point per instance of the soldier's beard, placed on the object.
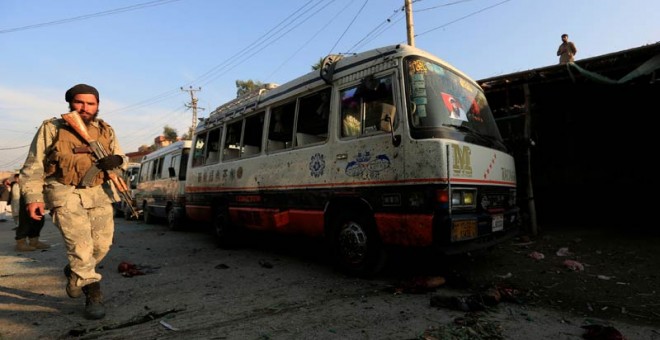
(88, 119)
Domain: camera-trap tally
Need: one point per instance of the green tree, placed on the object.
(245, 86)
(170, 133)
(318, 64)
(188, 135)
(146, 148)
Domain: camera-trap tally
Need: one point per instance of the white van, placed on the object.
(160, 188)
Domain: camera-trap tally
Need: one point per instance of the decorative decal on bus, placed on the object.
(363, 166)
(462, 161)
(490, 166)
(317, 165)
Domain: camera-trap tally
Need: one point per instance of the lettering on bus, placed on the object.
(462, 162)
(508, 175)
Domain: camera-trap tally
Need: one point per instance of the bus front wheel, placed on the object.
(174, 219)
(357, 249)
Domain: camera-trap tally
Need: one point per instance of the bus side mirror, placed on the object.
(132, 181)
(396, 139)
(172, 172)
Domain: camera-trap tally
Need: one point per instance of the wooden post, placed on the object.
(531, 206)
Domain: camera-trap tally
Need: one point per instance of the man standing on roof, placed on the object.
(61, 173)
(566, 50)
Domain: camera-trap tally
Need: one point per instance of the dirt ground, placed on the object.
(285, 288)
(616, 277)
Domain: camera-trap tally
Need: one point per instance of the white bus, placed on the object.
(160, 188)
(390, 147)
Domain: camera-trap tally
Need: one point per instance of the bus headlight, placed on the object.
(463, 198)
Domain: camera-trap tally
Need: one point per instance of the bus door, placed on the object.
(367, 159)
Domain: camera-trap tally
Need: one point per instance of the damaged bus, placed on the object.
(390, 147)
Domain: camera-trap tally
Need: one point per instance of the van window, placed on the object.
(145, 170)
(183, 167)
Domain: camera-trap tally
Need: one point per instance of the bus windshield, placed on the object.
(440, 98)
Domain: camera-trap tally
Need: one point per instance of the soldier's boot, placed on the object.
(22, 245)
(72, 290)
(94, 309)
(34, 242)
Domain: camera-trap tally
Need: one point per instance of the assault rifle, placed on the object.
(76, 123)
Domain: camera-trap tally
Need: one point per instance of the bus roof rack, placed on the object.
(240, 104)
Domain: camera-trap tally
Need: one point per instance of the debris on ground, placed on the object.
(128, 269)
(168, 326)
(470, 326)
(600, 332)
(563, 252)
(574, 265)
(419, 285)
(536, 255)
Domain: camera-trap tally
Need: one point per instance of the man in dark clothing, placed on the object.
(29, 229)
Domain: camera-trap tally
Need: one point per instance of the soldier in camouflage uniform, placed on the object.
(52, 178)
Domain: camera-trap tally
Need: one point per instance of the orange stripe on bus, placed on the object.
(405, 229)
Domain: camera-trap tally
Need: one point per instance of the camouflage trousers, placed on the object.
(87, 234)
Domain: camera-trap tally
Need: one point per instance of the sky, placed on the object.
(139, 54)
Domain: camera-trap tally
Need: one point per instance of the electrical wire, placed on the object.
(462, 18)
(89, 16)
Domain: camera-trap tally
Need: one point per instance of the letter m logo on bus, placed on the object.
(462, 165)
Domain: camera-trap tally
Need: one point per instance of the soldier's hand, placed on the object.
(110, 162)
(36, 210)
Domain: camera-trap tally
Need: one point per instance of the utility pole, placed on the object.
(409, 23)
(193, 106)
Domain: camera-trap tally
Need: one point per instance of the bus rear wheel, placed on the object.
(174, 219)
(148, 217)
(357, 249)
(223, 229)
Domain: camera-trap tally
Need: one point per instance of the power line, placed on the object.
(462, 18)
(15, 147)
(89, 16)
(349, 26)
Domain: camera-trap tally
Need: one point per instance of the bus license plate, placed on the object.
(463, 230)
(498, 222)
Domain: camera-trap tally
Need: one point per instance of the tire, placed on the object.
(147, 216)
(356, 247)
(174, 219)
(224, 231)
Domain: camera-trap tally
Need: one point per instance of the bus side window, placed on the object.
(351, 116)
(253, 133)
(379, 104)
(280, 130)
(198, 152)
(313, 113)
(232, 141)
(213, 152)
